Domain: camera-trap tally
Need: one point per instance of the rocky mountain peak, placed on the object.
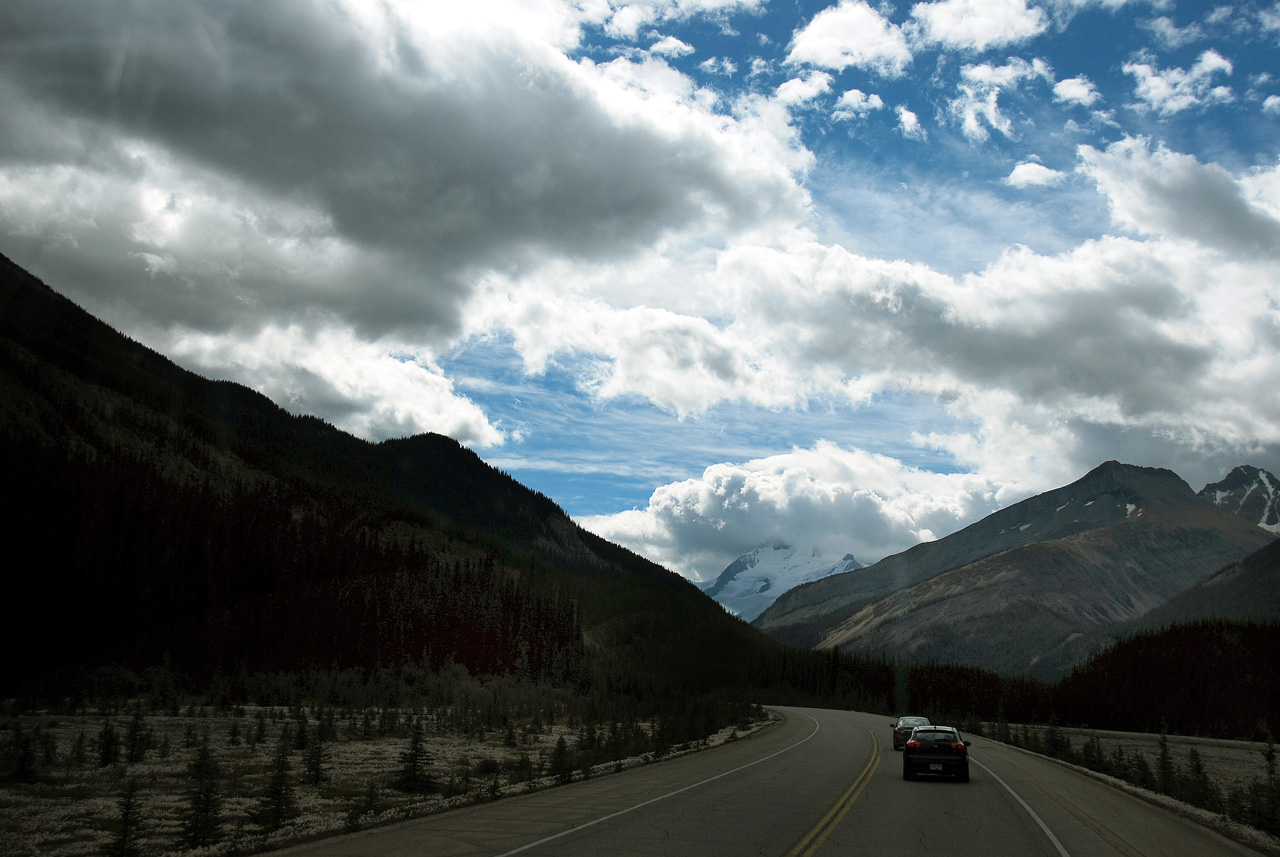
(1251, 493)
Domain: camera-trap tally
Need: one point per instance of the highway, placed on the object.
(822, 783)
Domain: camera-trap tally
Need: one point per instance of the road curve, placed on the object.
(822, 783)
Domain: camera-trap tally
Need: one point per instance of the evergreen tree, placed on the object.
(260, 730)
(315, 758)
(108, 744)
(414, 776)
(127, 825)
(202, 824)
(561, 766)
(23, 750)
(137, 740)
(277, 805)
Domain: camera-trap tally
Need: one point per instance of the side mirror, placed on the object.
(893, 725)
(966, 743)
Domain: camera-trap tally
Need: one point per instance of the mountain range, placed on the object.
(176, 524)
(754, 580)
(1014, 591)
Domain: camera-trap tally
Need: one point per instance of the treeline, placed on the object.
(1213, 678)
(137, 568)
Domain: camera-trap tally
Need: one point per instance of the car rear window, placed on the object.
(934, 736)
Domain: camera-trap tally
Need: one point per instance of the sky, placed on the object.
(708, 273)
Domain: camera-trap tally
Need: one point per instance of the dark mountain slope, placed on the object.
(167, 517)
(1111, 546)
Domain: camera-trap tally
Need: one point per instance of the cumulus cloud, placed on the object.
(1076, 90)
(852, 34)
(671, 47)
(1052, 358)
(798, 90)
(1272, 104)
(909, 124)
(1161, 192)
(342, 166)
(1169, 91)
(1033, 174)
(978, 25)
(854, 104)
(826, 496)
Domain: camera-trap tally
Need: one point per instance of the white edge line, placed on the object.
(555, 836)
(1031, 812)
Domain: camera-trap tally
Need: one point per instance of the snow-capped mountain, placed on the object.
(751, 582)
(1251, 493)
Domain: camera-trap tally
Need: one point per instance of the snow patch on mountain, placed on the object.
(1249, 492)
(754, 580)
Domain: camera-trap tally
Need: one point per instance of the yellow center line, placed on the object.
(813, 840)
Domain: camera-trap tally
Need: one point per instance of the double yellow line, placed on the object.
(813, 840)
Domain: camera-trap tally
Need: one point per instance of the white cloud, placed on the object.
(842, 499)
(1033, 174)
(1164, 193)
(1272, 104)
(977, 107)
(373, 390)
(852, 34)
(719, 65)
(671, 47)
(978, 25)
(1076, 90)
(1170, 91)
(854, 104)
(799, 90)
(909, 125)
(1170, 35)
(624, 19)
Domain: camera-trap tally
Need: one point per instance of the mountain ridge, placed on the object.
(1006, 591)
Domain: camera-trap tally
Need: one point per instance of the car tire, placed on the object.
(907, 775)
(963, 776)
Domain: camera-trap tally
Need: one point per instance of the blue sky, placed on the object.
(709, 273)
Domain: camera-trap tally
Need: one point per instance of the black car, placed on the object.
(902, 729)
(936, 750)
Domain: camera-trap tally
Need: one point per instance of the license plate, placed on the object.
(935, 766)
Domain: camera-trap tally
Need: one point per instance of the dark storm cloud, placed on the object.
(437, 158)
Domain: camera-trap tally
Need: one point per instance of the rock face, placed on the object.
(1011, 590)
(1251, 493)
(754, 580)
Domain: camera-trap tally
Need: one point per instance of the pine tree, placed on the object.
(137, 740)
(315, 758)
(561, 766)
(277, 805)
(202, 825)
(124, 838)
(414, 776)
(108, 744)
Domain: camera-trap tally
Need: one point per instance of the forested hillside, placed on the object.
(193, 528)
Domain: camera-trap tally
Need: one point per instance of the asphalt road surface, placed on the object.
(822, 783)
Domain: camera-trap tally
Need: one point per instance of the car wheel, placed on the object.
(963, 776)
(907, 775)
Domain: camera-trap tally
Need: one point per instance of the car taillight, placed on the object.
(914, 745)
(957, 746)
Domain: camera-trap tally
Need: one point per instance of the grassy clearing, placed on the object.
(67, 791)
